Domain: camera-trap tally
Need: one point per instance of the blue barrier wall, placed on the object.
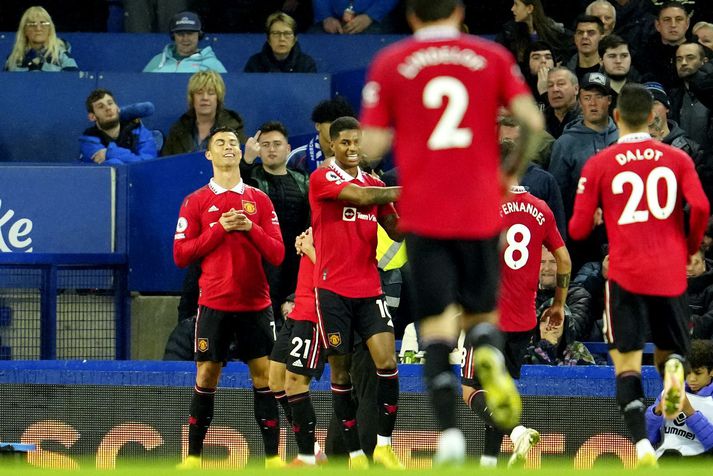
(57, 209)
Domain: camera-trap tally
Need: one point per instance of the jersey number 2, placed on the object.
(447, 133)
(630, 214)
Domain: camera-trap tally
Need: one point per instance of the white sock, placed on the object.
(354, 454)
(317, 448)
(516, 432)
(309, 459)
(488, 461)
(643, 447)
(383, 440)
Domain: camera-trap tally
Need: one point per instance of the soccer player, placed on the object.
(640, 185)
(436, 96)
(346, 206)
(691, 433)
(232, 228)
(296, 357)
(528, 224)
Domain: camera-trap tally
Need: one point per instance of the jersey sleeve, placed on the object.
(698, 202)
(327, 185)
(375, 96)
(191, 242)
(266, 234)
(585, 202)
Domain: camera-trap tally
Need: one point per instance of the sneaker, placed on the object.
(191, 462)
(673, 389)
(647, 460)
(298, 463)
(274, 462)
(523, 440)
(385, 456)
(451, 448)
(359, 462)
(501, 394)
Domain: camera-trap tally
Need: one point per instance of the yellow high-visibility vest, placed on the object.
(390, 254)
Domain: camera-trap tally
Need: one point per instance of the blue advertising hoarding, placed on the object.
(57, 209)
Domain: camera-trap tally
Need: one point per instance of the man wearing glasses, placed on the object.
(281, 53)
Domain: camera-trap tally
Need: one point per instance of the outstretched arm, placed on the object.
(369, 195)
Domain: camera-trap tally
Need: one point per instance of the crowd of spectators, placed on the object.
(575, 55)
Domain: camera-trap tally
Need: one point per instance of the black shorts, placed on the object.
(341, 317)
(514, 350)
(297, 346)
(252, 333)
(445, 272)
(629, 317)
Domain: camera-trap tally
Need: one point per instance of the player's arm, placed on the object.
(375, 143)
(564, 271)
(191, 242)
(532, 125)
(369, 195)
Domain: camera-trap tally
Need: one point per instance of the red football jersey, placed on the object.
(640, 185)
(232, 277)
(345, 234)
(440, 91)
(529, 224)
(305, 305)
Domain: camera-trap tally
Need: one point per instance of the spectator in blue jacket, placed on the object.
(352, 16)
(112, 141)
(37, 47)
(184, 55)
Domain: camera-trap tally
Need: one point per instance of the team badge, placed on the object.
(334, 339)
(182, 225)
(249, 207)
(202, 344)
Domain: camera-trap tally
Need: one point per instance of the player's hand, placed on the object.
(229, 220)
(542, 79)
(358, 24)
(99, 157)
(332, 25)
(598, 217)
(252, 148)
(243, 222)
(554, 315)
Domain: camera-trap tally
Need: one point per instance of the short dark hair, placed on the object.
(538, 45)
(331, 109)
(634, 104)
(589, 19)
(701, 49)
(508, 121)
(671, 4)
(430, 10)
(96, 95)
(271, 126)
(609, 42)
(345, 123)
(701, 354)
(218, 130)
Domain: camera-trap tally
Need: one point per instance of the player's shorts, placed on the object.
(516, 344)
(341, 317)
(298, 347)
(252, 333)
(630, 317)
(446, 272)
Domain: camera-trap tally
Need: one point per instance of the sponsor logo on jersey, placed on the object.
(349, 214)
(213, 208)
(202, 344)
(297, 363)
(335, 339)
(333, 177)
(249, 207)
(182, 225)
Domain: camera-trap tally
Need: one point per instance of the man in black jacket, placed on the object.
(700, 296)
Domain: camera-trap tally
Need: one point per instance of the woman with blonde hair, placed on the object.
(37, 47)
(206, 111)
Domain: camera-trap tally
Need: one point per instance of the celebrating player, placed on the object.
(640, 185)
(232, 227)
(440, 91)
(346, 206)
(528, 224)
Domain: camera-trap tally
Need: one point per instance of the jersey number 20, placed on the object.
(630, 214)
(447, 134)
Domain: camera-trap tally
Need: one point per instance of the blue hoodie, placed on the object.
(577, 144)
(166, 62)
